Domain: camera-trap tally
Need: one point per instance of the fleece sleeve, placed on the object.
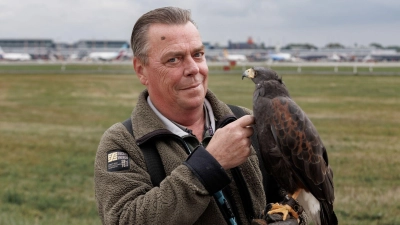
(207, 170)
(128, 197)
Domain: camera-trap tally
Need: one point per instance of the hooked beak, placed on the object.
(248, 73)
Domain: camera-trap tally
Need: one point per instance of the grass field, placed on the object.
(215, 68)
(50, 126)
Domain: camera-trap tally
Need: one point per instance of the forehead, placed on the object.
(164, 35)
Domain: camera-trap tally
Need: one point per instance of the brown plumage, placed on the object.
(290, 146)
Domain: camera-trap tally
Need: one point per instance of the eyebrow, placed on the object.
(180, 53)
(198, 49)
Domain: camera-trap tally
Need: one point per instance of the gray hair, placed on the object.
(165, 15)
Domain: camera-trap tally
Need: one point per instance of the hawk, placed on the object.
(291, 149)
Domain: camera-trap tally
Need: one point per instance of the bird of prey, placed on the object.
(291, 148)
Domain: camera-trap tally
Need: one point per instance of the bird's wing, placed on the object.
(301, 145)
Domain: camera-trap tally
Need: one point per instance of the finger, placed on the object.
(245, 121)
(249, 131)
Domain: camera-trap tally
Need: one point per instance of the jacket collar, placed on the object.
(147, 125)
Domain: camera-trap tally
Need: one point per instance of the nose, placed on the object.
(191, 67)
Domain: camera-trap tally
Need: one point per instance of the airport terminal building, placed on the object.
(37, 48)
(48, 49)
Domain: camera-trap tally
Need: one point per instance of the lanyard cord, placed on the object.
(208, 133)
(223, 203)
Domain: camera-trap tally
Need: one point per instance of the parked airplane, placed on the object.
(383, 55)
(109, 56)
(14, 56)
(321, 56)
(280, 57)
(234, 57)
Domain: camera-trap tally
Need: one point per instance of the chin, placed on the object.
(194, 102)
(194, 97)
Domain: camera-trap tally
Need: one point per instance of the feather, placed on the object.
(291, 149)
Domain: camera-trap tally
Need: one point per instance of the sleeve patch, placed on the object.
(117, 160)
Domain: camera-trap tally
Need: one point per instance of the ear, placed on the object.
(139, 69)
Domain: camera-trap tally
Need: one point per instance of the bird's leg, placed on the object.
(284, 209)
(286, 206)
(296, 194)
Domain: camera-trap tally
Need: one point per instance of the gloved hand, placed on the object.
(273, 219)
(277, 218)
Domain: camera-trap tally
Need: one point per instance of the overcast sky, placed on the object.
(348, 22)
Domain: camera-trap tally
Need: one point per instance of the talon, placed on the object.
(284, 209)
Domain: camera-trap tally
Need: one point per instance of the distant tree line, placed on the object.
(292, 46)
(379, 46)
(335, 46)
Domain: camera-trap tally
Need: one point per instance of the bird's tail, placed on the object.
(327, 214)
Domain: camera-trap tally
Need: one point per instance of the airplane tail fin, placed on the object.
(122, 51)
(226, 53)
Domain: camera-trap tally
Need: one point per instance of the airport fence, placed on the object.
(214, 68)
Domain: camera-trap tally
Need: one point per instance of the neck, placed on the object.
(194, 123)
(192, 119)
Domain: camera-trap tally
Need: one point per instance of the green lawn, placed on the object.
(126, 68)
(50, 126)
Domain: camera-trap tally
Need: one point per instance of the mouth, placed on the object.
(191, 86)
(249, 73)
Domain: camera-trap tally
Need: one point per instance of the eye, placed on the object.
(174, 60)
(198, 54)
(171, 60)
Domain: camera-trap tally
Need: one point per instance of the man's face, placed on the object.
(176, 73)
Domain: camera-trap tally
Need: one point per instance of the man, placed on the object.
(196, 135)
